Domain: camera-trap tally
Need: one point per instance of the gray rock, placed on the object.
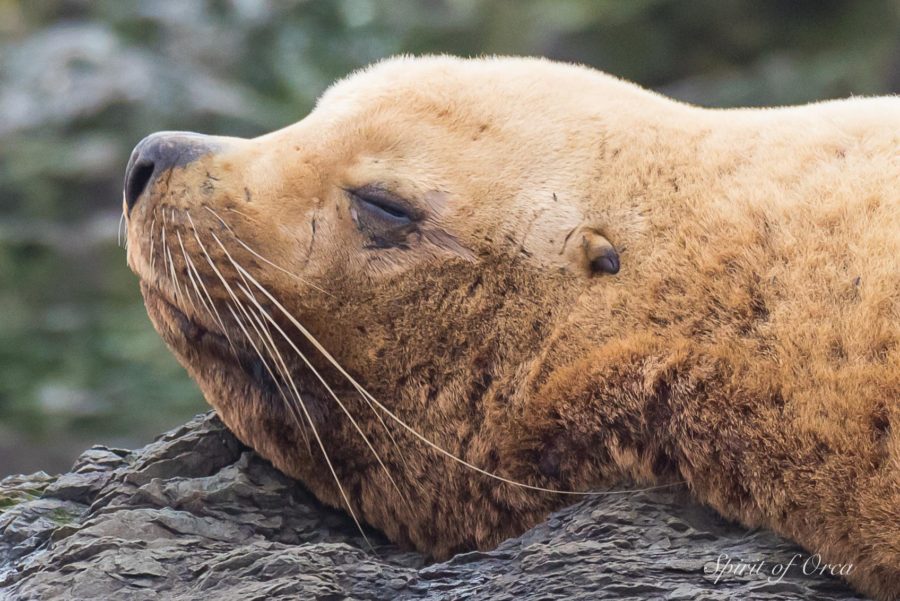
(195, 514)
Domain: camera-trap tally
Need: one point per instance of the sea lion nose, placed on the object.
(157, 154)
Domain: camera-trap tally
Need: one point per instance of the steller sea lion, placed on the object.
(459, 285)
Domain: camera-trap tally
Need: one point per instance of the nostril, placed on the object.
(158, 154)
(136, 181)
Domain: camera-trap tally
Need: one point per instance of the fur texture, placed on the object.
(749, 345)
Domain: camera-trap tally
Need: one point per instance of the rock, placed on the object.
(196, 514)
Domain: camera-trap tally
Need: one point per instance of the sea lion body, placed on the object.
(435, 225)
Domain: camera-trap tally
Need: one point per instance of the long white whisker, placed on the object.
(308, 365)
(321, 446)
(309, 419)
(152, 255)
(212, 303)
(172, 274)
(162, 243)
(190, 276)
(284, 375)
(262, 258)
(273, 351)
(254, 253)
(331, 392)
(411, 430)
(167, 257)
(200, 289)
(119, 229)
(242, 214)
(185, 292)
(266, 339)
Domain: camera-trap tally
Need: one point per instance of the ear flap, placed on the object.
(600, 253)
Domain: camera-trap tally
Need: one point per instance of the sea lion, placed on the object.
(458, 284)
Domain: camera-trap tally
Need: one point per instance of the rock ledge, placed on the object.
(196, 514)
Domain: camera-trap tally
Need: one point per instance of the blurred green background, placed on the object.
(82, 81)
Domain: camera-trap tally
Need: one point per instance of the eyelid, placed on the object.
(393, 206)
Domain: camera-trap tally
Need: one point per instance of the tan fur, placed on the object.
(750, 344)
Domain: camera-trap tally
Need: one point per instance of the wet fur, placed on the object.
(749, 346)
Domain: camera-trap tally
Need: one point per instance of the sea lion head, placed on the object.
(383, 273)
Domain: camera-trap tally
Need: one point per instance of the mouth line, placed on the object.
(221, 347)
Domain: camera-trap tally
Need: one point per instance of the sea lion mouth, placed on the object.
(208, 341)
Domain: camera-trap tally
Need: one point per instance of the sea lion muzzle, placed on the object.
(157, 154)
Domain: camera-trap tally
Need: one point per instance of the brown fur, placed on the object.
(750, 344)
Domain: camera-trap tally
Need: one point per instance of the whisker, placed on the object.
(152, 255)
(239, 241)
(212, 303)
(188, 272)
(321, 446)
(375, 412)
(411, 430)
(284, 375)
(331, 392)
(166, 256)
(256, 254)
(119, 229)
(309, 366)
(394, 442)
(273, 350)
(266, 337)
(189, 269)
(242, 214)
(309, 419)
(215, 312)
(262, 258)
(173, 275)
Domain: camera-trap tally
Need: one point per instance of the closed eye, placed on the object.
(385, 211)
(382, 205)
